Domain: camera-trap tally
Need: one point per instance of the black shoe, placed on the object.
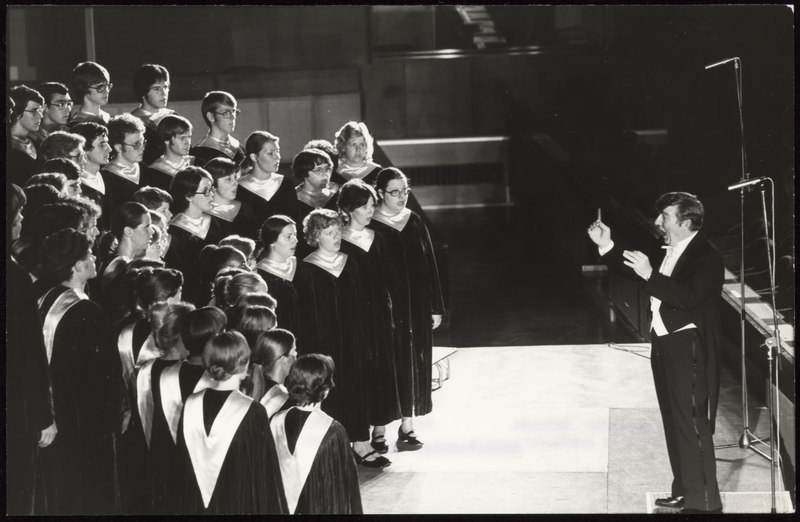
(378, 443)
(671, 502)
(378, 463)
(407, 441)
(689, 511)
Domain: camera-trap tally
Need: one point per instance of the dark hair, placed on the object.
(36, 196)
(256, 299)
(184, 185)
(688, 207)
(64, 166)
(213, 100)
(65, 248)
(56, 179)
(84, 75)
(49, 89)
(226, 354)
(172, 125)
(220, 168)
(211, 260)
(310, 378)
(243, 244)
(252, 321)
(307, 160)
(166, 320)
(129, 214)
(221, 283)
(355, 194)
(90, 132)
(152, 197)
(271, 229)
(271, 346)
(349, 130)
(145, 76)
(255, 142)
(89, 209)
(51, 218)
(16, 202)
(157, 284)
(240, 284)
(21, 95)
(386, 175)
(59, 144)
(326, 147)
(120, 126)
(318, 220)
(200, 325)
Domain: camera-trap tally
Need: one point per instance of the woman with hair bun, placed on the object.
(234, 286)
(317, 467)
(262, 188)
(416, 298)
(333, 321)
(273, 353)
(278, 266)
(228, 463)
(211, 260)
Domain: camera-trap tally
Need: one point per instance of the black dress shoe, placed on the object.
(407, 441)
(377, 463)
(671, 502)
(690, 511)
(378, 443)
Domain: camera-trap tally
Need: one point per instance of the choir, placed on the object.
(191, 333)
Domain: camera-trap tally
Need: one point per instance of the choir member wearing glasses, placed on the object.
(91, 86)
(220, 113)
(123, 175)
(333, 321)
(228, 463)
(313, 168)
(416, 298)
(97, 155)
(57, 104)
(278, 266)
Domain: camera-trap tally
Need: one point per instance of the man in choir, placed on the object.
(122, 175)
(174, 133)
(26, 118)
(29, 416)
(62, 144)
(57, 105)
(70, 170)
(151, 87)
(97, 154)
(685, 330)
(219, 112)
(90, 86)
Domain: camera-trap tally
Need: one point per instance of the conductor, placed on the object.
(685, 331)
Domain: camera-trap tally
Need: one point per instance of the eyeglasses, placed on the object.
(38, 111)
(207, 192)
(62, 105)
(229, 114)
(136, 146)
(322, 169)
(397, 193)
(102, 87)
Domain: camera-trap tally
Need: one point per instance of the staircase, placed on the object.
(484, 32)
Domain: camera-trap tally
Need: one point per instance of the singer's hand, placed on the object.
(600, 234)
(48, 435)
(437, 320)
(639, 262)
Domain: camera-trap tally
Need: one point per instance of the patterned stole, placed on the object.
(397, 222)
(207, 452)
(295, 467)
(171, 401)
(144, 398)
(274, 399)
(335, 267)
(61, 306)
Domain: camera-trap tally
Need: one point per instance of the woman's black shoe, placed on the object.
(378, 463)
(407, 441)
(378, 443)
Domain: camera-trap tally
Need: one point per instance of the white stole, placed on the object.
(61, 306)
(144, 399)
(295, 467)
(362, 240)
(207, 452)
(148, 352)
(186, 223)
(94, 181)
(334, 267)
(264, 189)
(169, 385)
(274, 399)
(285, 271)
(397, 222)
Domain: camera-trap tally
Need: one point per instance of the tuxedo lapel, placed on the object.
(692, 252)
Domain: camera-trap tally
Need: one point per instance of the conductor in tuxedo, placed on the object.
(685, 292)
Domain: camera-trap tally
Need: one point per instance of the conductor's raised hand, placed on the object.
(600, 234)
(639, 262)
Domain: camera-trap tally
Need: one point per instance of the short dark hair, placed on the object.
(271, 229)
(145, 76)
(244, 244)
(59, 144)
(386, 175)
(36, 196)
(129, 214)
(56, 179)
(50, 89)
(200, 325)
(355, 194)
(21, 95)
(65, 166)
(326, 147)
(172, 125)
(152, 197)
(89, 208)
(310, 378)
(220, 168)
(688, 207)
(255, 142)
(185, 183)
(16, 202)
(84, 75)
(256, 298)
(121, 125)
(213, 100)
(307, 160)
(90, 132)
(65, 248)
(252, 321)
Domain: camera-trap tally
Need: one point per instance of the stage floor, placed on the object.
(555, 429)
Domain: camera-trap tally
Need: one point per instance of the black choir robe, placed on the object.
(272, 395)
(120, 187)
(160, 174)
(281, 285)
(371, 169)
(367, 249)
(21, 162)
(333, 319)
(283, 201)
(184, 249)
(304, 207)
(210, 148)
(154, 147)
(95, 189)
(416, 294)
(249, 479)
(28, 400)
(78, 116)
(79, 470)
(330, 485)
(235, 218)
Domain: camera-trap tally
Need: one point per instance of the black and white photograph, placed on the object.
(400, 259)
